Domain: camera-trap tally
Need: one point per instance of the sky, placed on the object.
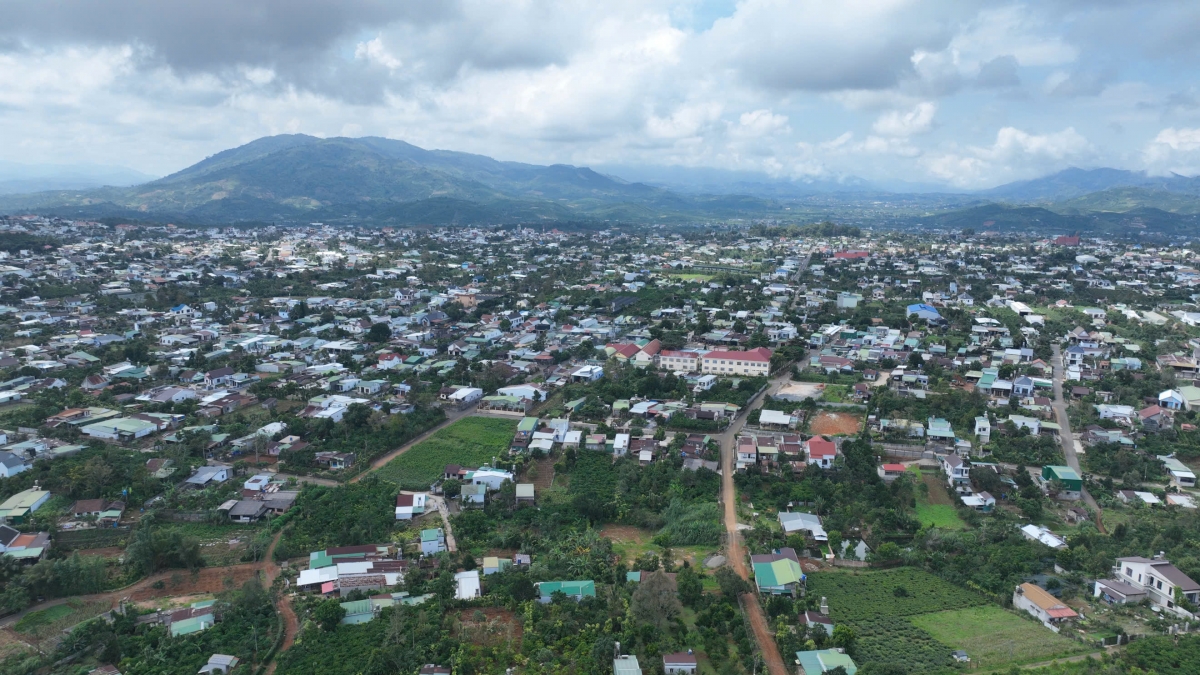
(961, 93)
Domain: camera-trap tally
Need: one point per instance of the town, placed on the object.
(595, 449)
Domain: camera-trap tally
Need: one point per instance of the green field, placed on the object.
(861, 596)
(702, 278)
(471, 441)
(896, 640)
(939, 515)
(994, 637)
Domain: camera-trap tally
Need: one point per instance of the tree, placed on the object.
(329, 614)
(845, 637)
(731, 584)
(379, 332)
(452, 488)
(690, 585)
(655, 601)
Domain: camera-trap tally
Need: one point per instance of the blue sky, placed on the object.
(960, 93)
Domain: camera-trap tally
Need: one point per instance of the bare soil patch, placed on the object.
(207, 580)
(544, 476)
(106, 552)
(834, 423)
(491, 626)
(624, 534)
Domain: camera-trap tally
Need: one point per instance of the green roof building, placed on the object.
(1064, 474)
(820, 661)
(572, 589)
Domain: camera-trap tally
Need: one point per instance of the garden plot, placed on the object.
(900, 592)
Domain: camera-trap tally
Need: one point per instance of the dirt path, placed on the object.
(381, 461)
(736, 554)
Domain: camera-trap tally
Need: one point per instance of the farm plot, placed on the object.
(894, 640)
(899, 592)
(995, 637)
(471, 441)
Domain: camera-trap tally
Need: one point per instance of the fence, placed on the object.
(843, 562)
(185, 516)
(905, 451)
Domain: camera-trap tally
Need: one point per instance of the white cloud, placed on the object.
(919, 120)
(373, 51)
(1174, 150)
(1014, 154)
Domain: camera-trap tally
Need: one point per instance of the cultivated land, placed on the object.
(935, 506)
(471, 442)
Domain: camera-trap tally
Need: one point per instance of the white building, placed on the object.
(1159, 579)
(754, 362)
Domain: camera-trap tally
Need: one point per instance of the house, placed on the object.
(526, 392)
(1181, 475)
(1117, 592)
(754, 362)
(1136, 496)
(25, 547)
(410, 504)
(983, 430)
(218, 377)
(575, 590)
(957, 471)
(11, 465)
(777, 574)
(1171, 400)
(679, 663)
(1042, 606)
(495, 564)
(983, 502)
(678, 361)
(93, 508)
(812, 619)
(524, 493)
(792, 521)
(1161, 581)
(17, 508)
(487, 476)
(890, 472)
(210, 475)
(467, 585)
(433, 541)
(1154, 418)
(257, 483)
(820, 451)
(775, 419)
(247, 510)
(473, 495)
(218, 664)
(626, 664)
(819, 661)
(1041, 534)
(1072, 483)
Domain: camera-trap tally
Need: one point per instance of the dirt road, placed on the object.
(735, 552)
(1065, 435)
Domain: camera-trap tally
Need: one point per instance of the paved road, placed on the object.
(1065, 435)
(735, 552)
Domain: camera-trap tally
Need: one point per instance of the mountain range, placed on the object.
(299, 178)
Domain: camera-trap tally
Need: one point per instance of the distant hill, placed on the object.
(1072, 183)
(297, 177)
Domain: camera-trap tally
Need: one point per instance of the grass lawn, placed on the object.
(471, 442)
(994, 637)
(936, 507)
(702, 278)
(939, 515)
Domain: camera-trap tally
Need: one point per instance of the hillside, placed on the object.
(298, 177)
